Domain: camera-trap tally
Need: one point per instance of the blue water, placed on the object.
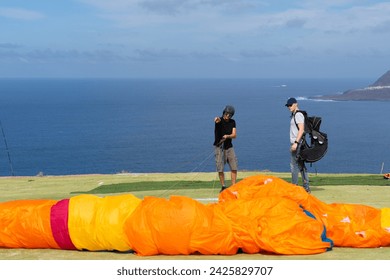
(109, 126)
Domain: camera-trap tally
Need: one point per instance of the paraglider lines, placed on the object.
(6, 148)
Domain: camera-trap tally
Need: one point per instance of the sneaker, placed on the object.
(223, 188)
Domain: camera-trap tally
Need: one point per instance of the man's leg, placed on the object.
(294, 169)
(222, 179)
(234, 176)
(305, 179)
(233, 164)
(220, 162)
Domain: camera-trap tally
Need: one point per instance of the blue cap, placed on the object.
(291, 101)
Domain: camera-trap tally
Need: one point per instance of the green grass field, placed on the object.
(367, 189)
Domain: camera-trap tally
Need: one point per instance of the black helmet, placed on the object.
(229, 109)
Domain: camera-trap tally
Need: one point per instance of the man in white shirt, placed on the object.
(297, 132)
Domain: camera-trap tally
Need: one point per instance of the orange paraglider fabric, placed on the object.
(26, 224)
(181, 225)
(348, 225)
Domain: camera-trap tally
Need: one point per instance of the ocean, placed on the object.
(108, 126)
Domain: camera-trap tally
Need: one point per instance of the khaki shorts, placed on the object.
(225, 156)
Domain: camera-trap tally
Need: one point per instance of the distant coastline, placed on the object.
(378, 91)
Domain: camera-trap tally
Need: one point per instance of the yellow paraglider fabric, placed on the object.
(385, 219)
(96, 223)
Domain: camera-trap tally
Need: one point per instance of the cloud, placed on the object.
(175, 7)
(208, 29)
(9, 46)
(157, 54)
(50, 56)
(295, 23)
(64, 56)
(353, 19)
(187, 32)
(171, 7)
(173, 54)
(20, 14)
(231, 16)
(266, 54)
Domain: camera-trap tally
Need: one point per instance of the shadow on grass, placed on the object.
(357, 180)
(315, 181)
(150, 186)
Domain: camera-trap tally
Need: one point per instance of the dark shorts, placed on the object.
(225, 156)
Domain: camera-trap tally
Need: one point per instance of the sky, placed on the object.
(194, 38)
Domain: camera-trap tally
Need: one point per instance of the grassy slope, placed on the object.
(362, 189)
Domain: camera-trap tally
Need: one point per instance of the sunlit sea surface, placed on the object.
(70, 126)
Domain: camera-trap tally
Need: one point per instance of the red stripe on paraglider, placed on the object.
(59, 224)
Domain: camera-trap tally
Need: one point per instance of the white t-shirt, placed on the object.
(299, 118)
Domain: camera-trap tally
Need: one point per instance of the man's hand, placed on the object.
(294, 147)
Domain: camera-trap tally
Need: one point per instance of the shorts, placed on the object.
(225, 156)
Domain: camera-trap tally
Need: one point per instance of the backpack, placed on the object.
(318, 146)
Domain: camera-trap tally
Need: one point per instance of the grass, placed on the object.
(368, 189)
(318, 180)
(349, 180)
